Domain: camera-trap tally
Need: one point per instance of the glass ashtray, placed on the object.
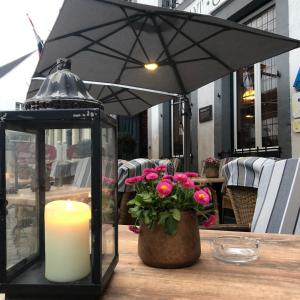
(235, 249)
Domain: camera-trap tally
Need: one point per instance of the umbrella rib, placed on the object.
(101, 91)
(92, 43)
(138, 36)
(173, 37)
(138, 97)
(198, 45)
(173, 65)
(124, 107)
(134, 61)
(188, 60)
(236, 27)
(130, 52)
(106, 54)
(191, 46)
(112, 95)
(78, 32)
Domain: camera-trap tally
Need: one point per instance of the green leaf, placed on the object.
(176, 214)
(146, 217)
(162, 217)
(171, 226)
(146, 197)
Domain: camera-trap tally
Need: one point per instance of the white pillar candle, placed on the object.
(67, 254)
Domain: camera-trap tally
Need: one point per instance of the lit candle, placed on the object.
(67, 254)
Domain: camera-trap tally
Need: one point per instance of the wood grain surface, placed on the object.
(275, 275)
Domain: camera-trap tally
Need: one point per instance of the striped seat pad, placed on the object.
(245, 171)
(129, 169)
(278, 199)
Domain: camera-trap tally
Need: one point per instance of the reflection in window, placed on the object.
(268, 98)
(177, 129)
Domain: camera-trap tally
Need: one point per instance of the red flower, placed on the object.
(134, 229)
(189, 184)
(201, 197)
(191, 174)
(161, 168)
(133, 180)
(180, 177)
(151, 176)
(210, 221)
(149, 170)
(167, 177)
(164, 189)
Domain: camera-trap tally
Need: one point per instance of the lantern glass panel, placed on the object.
(67, 221)
(22, 219)
(108, 194)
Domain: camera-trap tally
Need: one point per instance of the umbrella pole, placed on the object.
(187, 133)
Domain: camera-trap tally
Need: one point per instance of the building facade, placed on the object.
(251, 108)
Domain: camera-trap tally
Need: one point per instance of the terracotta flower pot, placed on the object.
(211, 172)
(161, 250)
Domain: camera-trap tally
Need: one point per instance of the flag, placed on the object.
(40, 43)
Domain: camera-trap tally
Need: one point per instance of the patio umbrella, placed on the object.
(154, 48)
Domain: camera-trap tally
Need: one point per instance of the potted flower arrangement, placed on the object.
(166, 207)
(211, 167)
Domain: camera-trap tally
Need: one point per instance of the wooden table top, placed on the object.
(275, 275)
(205, 180)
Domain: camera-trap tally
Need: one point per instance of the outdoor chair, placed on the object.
(278, 204)
(242, 177)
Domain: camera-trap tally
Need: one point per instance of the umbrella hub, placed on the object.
(62, 90)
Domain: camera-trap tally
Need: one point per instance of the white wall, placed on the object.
(153, 132)
(206, 139)
(294, 28)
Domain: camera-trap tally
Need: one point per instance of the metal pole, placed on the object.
(187, 133)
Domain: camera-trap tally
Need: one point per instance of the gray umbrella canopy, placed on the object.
(111, 41)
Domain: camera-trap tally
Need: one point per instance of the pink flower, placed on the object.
(167, 177)
(207, 191)
(191, 174)
(133, 180)
(161, 168)
(201, 197)
(197, 187)
(189, 184)
(151, 176)
(210, 221)
(168, 181)
(180, 177)
(164, 189)
(134, 229)
(149, 170)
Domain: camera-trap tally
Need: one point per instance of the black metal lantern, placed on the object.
(58, 175)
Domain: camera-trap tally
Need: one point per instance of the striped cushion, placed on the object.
(245, 171)
(278, 200)
(129, 169)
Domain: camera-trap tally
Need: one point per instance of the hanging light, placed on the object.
(249, 94)
(151, 66)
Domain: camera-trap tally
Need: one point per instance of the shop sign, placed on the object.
(204, 7)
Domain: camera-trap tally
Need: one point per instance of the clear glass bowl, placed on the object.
(235, 249)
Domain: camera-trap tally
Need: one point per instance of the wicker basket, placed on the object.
(243, 201)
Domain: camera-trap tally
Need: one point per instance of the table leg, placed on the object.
(218, 188)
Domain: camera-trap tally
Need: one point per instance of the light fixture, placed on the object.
(249, 95)
(151, 66)
(249, 116)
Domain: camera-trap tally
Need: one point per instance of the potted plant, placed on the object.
(211, 167)
(166, 208)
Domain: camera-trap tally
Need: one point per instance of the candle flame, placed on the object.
(69, 205)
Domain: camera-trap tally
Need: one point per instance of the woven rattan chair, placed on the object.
(243, 200)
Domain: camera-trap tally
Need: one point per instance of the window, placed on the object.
(255, 96)
(177, 128)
